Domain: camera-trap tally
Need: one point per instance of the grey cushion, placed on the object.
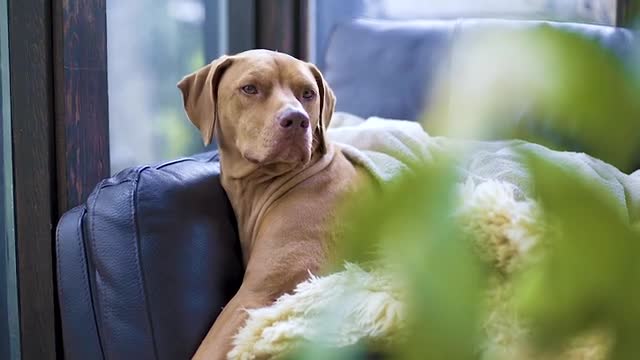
(388, 68)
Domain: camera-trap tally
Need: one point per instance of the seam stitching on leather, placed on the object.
(185, 159)
(85, 274)
(99, 317)
(136, 241)
(83, 260)
(58, 277)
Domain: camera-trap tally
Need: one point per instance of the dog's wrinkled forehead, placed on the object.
(269, 67)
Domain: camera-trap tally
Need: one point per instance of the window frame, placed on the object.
(34, 176)
(81, 98)
(627, 12)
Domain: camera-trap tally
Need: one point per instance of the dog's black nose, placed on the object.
(291, 119)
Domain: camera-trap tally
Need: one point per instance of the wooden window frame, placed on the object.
(81, 98)
(283, 25)
(35, 207)
(627, 12)
(59, 125)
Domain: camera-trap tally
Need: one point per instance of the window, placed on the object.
(152, 44)
(328, 13)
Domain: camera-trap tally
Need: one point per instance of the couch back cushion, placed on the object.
(389, 68)
(146, 265)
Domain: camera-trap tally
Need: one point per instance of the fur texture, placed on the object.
(370, 307)
(367, 305)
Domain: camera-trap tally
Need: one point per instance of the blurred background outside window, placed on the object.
(153, 43)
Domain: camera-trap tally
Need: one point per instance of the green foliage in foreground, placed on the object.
(589, 276)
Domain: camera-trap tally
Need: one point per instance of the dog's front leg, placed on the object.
(217, 343)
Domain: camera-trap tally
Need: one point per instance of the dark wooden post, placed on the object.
(82, 111)
(627, 12)
(242, 25)
(32, 133)
(282, 25)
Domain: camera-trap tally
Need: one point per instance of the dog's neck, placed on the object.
(252, 189)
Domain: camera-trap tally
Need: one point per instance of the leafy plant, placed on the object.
(587, 278)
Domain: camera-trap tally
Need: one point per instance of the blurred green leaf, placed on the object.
(315, 351)
(588, 278)
(410, 228)
(545, 85)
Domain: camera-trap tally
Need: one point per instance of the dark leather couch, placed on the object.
(144, 267)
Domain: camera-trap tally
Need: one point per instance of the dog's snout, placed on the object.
(291, 119)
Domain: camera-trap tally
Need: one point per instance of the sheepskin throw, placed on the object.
(495, 208)
(370, 305)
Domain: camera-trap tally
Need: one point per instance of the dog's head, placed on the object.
(269, 107)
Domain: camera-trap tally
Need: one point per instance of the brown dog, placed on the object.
(269, 112)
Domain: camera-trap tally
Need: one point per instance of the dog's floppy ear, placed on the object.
(199, 95)
(327, 106)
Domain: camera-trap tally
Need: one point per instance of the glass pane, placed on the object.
(152, 44)
(328, 13)
(9, 320)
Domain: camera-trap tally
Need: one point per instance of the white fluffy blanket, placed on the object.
(495, 207)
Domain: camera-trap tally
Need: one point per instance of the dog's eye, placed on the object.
(308, 94)
(249, 89)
